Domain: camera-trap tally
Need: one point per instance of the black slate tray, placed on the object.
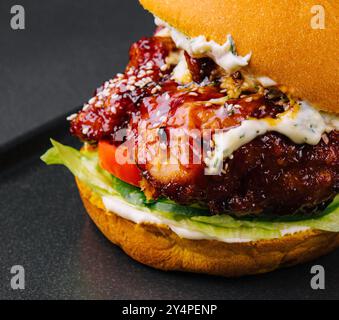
(44, 228)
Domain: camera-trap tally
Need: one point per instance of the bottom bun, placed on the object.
(159, 247)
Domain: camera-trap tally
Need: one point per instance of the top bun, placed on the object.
(280, 34)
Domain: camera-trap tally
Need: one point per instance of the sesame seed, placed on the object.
(325, 138)
(71, 117)
(85, 130)
(92, 100)
(141, 73)
(85, 107)
(229, 107)
(149, 65)
(154, 90)
(193, 94)
(164, 67)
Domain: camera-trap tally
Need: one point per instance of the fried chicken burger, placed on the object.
(217, 150)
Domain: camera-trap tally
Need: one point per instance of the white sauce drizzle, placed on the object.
(198, 47)
(143, 215)
(302, 124)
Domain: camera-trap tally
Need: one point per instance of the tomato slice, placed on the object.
(128, 172)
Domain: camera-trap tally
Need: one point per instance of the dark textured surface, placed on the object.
(45, 72)
(68, 49)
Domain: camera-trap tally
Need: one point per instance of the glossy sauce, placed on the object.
(253, 179)
(146, 92)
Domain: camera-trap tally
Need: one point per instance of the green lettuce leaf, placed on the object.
(84, 165)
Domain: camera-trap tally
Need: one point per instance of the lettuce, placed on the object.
(84, 165)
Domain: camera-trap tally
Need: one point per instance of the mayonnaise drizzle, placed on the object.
(198, 47)
(144, 215)
(302, 124)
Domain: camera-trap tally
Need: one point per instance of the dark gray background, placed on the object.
(69, 47)
(67, 50)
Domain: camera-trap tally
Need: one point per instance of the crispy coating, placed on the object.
(271, 174)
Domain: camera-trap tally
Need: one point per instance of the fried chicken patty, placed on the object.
(270, 174)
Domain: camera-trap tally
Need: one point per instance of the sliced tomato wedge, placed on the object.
(127, 172)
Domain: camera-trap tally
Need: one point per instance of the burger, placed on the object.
(217, 150)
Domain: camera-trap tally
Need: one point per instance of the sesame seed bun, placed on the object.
(279, 34)
(157, 246)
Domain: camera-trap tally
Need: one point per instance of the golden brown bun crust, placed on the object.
(278, 33)
(158, 247)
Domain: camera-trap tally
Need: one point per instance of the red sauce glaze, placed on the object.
(115, 101)
(269, 174)
(145, 90)
(199, 68)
